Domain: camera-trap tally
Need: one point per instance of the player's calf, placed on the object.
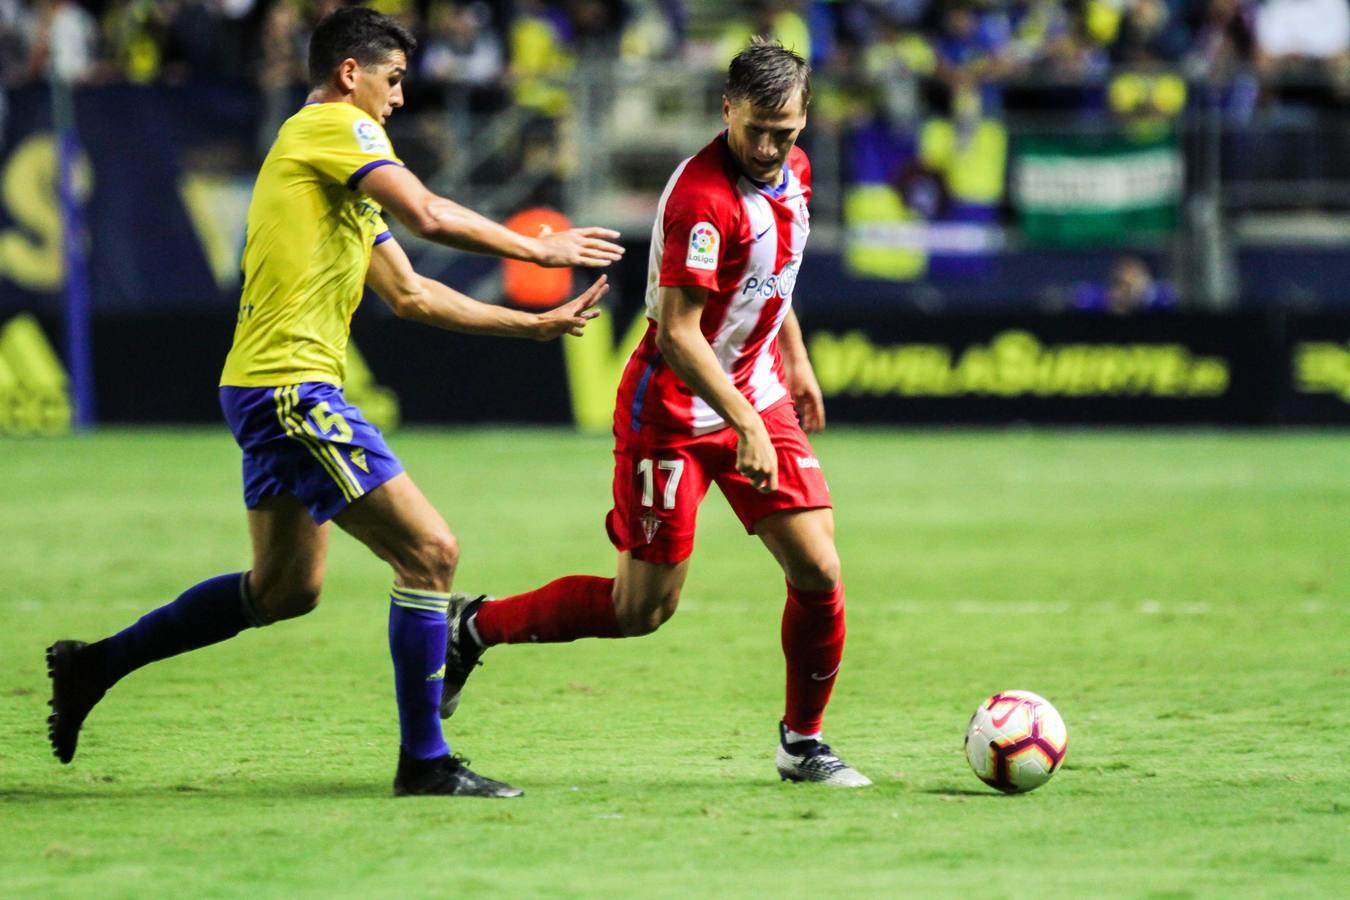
(566, 609)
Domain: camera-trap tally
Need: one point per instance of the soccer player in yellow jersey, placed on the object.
(316, 238)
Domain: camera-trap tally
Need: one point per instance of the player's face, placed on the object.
(760, 139)
(379, 88)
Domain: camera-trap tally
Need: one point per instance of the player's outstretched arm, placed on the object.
(421, 299)
(444, 221)
(801, 377)
(688, 353)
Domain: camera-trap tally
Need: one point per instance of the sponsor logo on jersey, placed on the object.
(368, 211)
(369, 137)
(704, 242)
(808, 462)
(781, 284)
(787, 279)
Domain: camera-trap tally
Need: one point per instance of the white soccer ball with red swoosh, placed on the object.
(1016, 741)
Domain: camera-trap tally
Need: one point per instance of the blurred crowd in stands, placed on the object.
(969, 46)
(924, 93)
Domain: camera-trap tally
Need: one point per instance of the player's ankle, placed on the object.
(91, 665)
(471, 643)
(796, 737)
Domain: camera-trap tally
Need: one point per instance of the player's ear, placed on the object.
(726, 109)
(346, 74)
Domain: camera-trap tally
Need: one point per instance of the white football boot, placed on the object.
(810, 760)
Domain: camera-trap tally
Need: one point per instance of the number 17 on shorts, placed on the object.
(656, 499)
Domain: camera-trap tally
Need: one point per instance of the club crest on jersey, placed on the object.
(650, 523)
(369, 137)
(704, 242)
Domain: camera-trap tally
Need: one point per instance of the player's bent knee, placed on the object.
(292, 603)
(445, 553)
(816, 573)
(644, 623)
(432, 563)
(644, 615)
(300, 603)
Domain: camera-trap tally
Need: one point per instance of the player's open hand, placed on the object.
(591, 247)
(572, 316)
(757, 460)
(806, 396)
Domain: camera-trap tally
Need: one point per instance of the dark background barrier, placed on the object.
(1315, 353)
(1167, 369)
(1173, 369)
(166, 369)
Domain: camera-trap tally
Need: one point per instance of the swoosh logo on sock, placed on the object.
(438, 675)
(827, 676)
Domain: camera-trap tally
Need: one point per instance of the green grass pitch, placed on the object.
(1181, 597)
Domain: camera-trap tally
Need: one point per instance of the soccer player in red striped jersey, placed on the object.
(719, 391)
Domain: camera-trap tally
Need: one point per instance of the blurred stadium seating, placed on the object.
(1121, 174)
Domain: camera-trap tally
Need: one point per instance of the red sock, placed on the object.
(813, 644)
(574, 607)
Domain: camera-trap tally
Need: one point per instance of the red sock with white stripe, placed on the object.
(578, 606)
(813, 645)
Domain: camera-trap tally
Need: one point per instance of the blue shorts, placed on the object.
(308, 441)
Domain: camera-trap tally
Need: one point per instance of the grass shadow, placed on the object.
(251, 790)
(964, 792)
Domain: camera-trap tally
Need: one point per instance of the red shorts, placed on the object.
(660, 478)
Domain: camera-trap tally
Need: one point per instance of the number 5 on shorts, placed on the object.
(327, 420)
(674, 466)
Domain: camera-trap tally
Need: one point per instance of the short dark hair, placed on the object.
(358, 33)
(768, 75)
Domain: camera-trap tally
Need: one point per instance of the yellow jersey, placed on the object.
(310, 236)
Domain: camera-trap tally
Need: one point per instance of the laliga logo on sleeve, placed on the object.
(369, 136)
(703, 246)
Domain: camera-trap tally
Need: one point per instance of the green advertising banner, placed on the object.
(1090, 189)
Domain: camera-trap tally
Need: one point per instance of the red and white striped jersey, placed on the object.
(742, 241)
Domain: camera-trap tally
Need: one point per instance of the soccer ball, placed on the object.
(1015, 742)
